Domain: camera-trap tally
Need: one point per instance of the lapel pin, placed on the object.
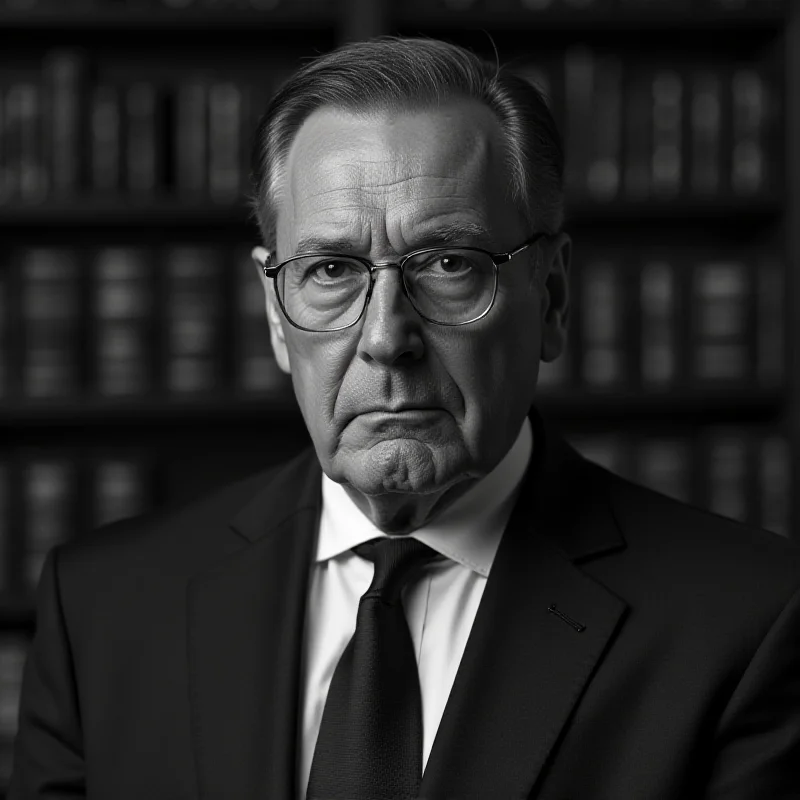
(553, 609)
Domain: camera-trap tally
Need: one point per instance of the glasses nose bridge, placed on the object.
(376, 265)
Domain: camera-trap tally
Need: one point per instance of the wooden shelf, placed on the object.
(281, 405)
(691, 209)
(287, 16)
(91, 212)
(102, 411)
(769, 17)
(709, 405)
(171, 212)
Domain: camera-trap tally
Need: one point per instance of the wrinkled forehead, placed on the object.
(392, 165)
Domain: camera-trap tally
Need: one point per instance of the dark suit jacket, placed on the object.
(627, 647)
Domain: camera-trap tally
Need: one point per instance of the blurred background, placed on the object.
(135, 366)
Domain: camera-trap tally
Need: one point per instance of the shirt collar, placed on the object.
(468, 531)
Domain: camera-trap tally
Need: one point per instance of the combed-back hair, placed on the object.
(399, 73)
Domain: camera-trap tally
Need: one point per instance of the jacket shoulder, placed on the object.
(179, 537)
(703, 551)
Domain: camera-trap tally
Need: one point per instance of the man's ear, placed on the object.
(277, 338)
(555, 297)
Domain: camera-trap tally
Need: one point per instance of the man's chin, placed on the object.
(399, 465)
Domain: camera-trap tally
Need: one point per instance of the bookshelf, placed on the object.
(695, 262)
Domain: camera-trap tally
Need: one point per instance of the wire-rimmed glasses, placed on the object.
(326, 292)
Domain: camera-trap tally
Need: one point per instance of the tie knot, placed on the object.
(395, 559)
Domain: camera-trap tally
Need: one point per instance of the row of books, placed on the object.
(65, 131)
(673, 6)
(138, 5)
(190, 321)
(671, 322)
(128, 321)
(639, 129)
(48, 499)
(741, 474)
(633, 130)
(453, 5)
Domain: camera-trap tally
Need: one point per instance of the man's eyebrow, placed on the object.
(321, 244)
(450, 233)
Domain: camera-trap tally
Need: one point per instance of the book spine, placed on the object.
(771, 322)
(63, 71)
(124, 311)
(34, 178)
(141, 140)
(706, 119)
(721, 296)
(50, 281)
(579, 78)
(659, 345)
(667, 158)
(255, 98)
(225, 108)
(191, 138)
(604, 168)
(49, 507)
(748, 164)
(602, 325)
(105, 150)
(256, 367)
(12, 134)
(638, 134)
(194, 316)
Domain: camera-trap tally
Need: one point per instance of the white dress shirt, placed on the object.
(440, 605)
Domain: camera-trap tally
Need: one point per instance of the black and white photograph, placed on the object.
(399, 400)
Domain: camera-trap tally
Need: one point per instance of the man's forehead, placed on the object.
(379, 150)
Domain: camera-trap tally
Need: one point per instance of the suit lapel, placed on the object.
(525, 665)
(245, 635)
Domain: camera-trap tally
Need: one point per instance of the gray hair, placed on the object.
(395, 73)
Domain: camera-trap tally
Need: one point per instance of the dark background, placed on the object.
(135, 367)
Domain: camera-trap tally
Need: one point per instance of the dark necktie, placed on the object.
(370, 738)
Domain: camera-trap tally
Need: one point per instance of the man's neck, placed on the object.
(398, 514)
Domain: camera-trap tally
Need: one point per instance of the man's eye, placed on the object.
(327, 271)
(449, 263)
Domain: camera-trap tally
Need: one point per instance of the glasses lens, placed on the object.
(322, 293)
(451, 286)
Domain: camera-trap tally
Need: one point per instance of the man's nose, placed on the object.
(392, 328)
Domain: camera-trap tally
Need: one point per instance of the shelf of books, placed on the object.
(133, 338)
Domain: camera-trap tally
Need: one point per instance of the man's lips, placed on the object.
(403, 410)
(397, 409)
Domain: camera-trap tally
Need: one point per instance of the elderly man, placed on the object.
(441, 599)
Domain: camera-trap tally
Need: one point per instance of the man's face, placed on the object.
(395, 403)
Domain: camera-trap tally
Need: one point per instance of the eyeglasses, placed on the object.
(326, 292)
